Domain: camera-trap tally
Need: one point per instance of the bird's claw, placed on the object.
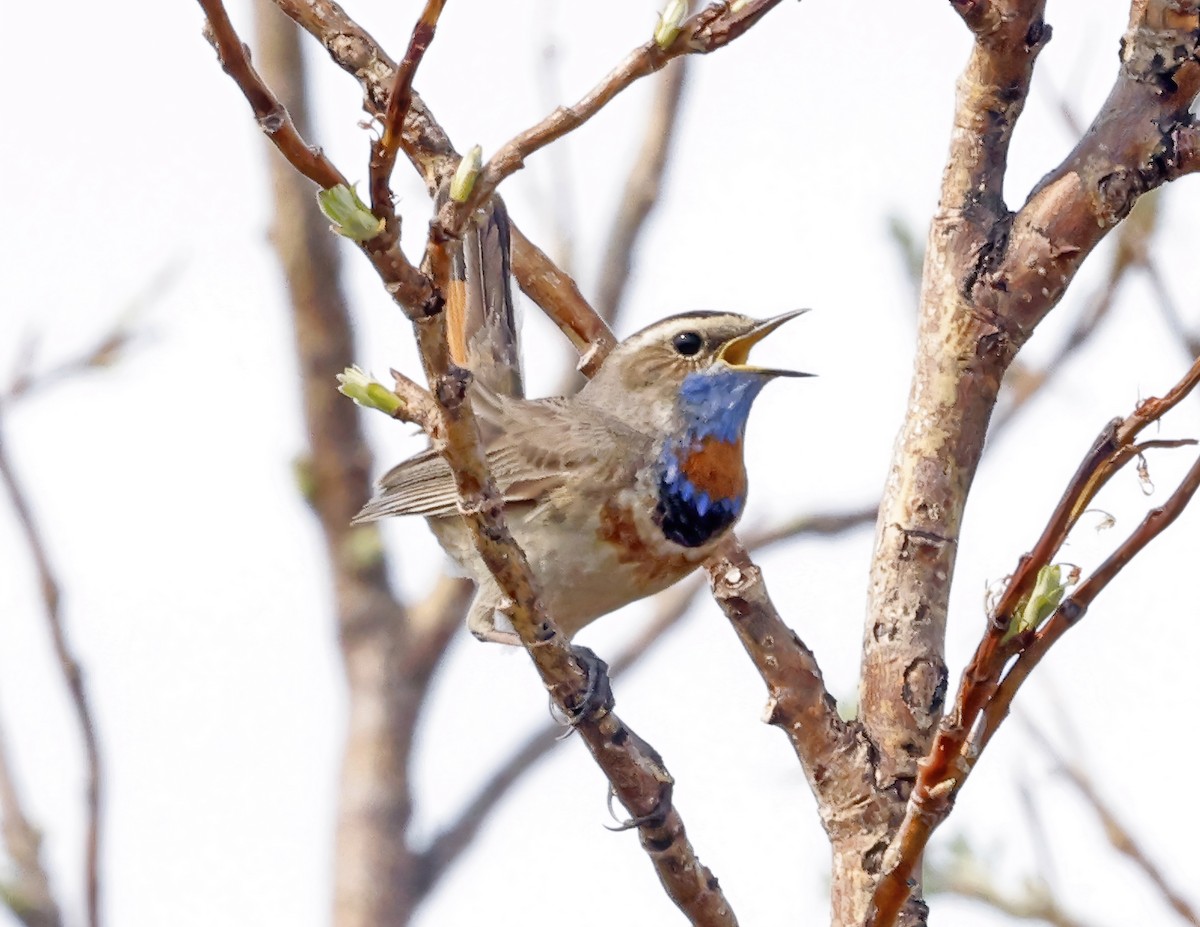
(655, 817)
(597, 698)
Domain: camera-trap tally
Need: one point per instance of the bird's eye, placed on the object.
(687, 343)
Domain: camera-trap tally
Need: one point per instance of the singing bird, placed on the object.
(614, 493)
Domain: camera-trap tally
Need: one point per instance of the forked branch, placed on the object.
(986, 691)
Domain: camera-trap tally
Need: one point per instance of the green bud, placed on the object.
(349, 214)
(368, 393)
(1048, 592)
(466, 174)
(669, 21)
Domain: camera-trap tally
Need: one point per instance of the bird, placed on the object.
(616, 492)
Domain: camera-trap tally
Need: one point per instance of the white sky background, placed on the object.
(194, 588)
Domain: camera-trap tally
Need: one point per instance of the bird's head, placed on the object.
(697, 357)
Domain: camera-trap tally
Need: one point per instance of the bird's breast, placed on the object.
(701, 490)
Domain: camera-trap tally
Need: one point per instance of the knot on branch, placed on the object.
(1164, 39)
(451, 388)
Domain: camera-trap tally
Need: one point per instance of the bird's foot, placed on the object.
(597, 698)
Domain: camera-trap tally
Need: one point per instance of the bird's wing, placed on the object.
(539, 443)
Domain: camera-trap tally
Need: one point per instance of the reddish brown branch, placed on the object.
(1076, 605)
(634, 769)
(410, 288)
(272, 117)
(72, 675)
(387, 146)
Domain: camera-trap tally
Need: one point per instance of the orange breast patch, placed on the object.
(716, 469)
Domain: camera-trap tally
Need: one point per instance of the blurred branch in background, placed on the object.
(21, 843)
(966, 873)
(1115, 830)
(26, 892)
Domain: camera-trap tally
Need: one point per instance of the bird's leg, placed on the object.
(481, 619)
(597, 697)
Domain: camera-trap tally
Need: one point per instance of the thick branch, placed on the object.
(984, 698)
(989, 279)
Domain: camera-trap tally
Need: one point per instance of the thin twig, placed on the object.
(27, 892)
(387, 146)
(410, 288)
(712, 28)
(73, 678)
(1118, 834)
(272, 117)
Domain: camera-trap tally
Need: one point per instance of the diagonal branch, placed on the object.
(72, 677)
(387, 146)
(672, 605)
(709, 30)
(27, 892)
(1118, 834)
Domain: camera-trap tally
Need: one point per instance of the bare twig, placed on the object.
(272, 117)
(643, 189)
(27, 894)
(712, 28)
(409, 287)
(387, 146)
(1118, 834)
(72, 677)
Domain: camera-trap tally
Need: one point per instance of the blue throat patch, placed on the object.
(714, 406)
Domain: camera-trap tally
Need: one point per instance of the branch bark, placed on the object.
(376, 880)
(990, 276)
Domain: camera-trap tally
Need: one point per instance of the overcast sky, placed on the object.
(191, 570)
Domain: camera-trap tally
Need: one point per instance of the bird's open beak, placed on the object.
(736, 352)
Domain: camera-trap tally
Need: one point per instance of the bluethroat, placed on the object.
(614, 493)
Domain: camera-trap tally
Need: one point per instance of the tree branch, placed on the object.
(1118, 834)
(712, 28)
(27, 893)
(671, 606)
(72, 675)
(984, 697)
(989, 278)
(385, 148)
